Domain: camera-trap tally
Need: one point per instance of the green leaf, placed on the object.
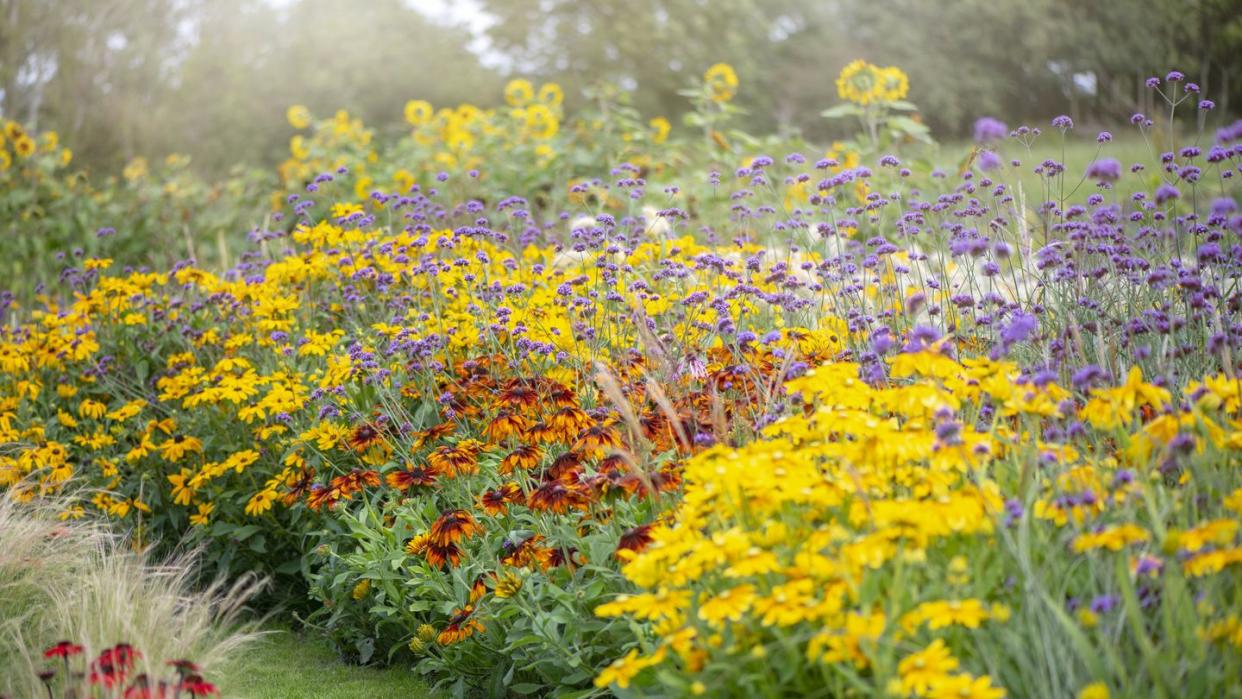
(842, 110)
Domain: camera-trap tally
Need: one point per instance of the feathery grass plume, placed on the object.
(76, 580)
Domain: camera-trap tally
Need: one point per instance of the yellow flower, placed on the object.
(137, 168)
(92, 409)
(625, 669)
(261, 502)
(361, 589)
(519, 92)
(966, 687)
(893, 84)
(24, 146)
(1113, 538)
(1095, 690)
(508, 585)
(419, 112)
(721, 82)
(176, 448)
(659, 129)
(203, 515)
(299, 116)
(730, 604)
(551, 95)
(857, 82)
(660, 605)
(926, 668)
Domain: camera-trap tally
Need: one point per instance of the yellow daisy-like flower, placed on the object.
(299, 117)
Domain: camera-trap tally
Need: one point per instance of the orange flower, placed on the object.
(438, 555)
(505, 425)
(453, 525)
(412, 477)
(557, 497)
(518, 395)
(364, 437)
(460, 627)
(496, 501)
(455, 460)
(524, 457)
(598, 438)
(570, 421)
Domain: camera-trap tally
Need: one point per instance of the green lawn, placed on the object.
(290, 665)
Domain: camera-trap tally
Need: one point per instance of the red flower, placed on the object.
(63, 649)
(185, 666)
(196, 686)
(635, 539)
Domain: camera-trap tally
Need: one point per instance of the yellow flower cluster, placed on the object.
(834, 531)
(863, 83)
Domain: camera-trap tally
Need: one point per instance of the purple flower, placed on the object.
(1174, 76)
(1104, 604)
(1021, 327)
(1084, 377)
(988, 129)
(989, 161)
(1104, 170)
(1063, 122)
(1166, 192)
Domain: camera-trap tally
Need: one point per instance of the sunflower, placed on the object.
(460, 627)
(721, 81)
(24, 146)
(524, 457)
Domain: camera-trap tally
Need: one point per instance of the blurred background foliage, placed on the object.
(120, 79)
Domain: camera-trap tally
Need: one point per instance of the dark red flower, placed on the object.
(62, 649)
(196, 686)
